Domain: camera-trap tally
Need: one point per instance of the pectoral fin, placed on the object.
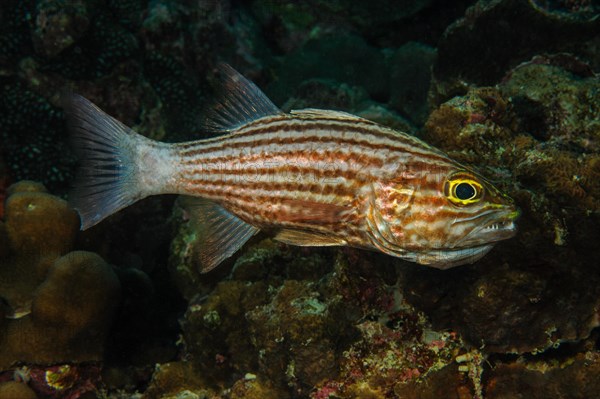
(307, 238)
(220, 233)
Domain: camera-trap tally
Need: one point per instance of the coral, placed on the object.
(284, 319)
(32, 144)
(177, 92)
(16, 390)
(15, 40)
(388, 360)
(538, 132)
(285, 322)
(94, 49)
(37, 222)
(60, 303)
(480, 47)
(58, 381)
(104, 45)
(250, 387)
(576, 377)
(561, 105)
(282, 334)
(175, 380)
(58, 25)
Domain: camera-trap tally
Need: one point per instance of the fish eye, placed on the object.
(463, 190)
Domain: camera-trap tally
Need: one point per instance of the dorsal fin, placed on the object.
(238, 102)
(220, 233)
(327, 113)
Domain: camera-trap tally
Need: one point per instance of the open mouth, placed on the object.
(500, 226)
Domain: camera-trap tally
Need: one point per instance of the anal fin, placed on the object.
(220, 232)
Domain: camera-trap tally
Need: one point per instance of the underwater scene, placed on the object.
(299, 199)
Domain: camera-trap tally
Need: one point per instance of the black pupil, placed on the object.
(465, 191)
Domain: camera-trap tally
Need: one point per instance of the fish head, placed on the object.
(442, 218)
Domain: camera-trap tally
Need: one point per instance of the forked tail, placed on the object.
(109, 178)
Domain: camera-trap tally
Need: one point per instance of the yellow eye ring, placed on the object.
(463, 190)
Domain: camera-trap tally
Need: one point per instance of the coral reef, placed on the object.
(58, 26)
(576, 377)
(287, 320)
(16, 390)
(465, 50)
(418, 331)
(540, 138)
(511, 87)
(33, 145)
(59, 303)
(51, 46)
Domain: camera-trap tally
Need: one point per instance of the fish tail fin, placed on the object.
(108, 179)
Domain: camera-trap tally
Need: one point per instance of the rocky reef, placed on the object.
(510, 87)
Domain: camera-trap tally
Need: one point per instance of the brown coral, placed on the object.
(39, 222)
(16, 390)
(60, 302)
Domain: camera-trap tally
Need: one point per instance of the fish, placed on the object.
(310, 177)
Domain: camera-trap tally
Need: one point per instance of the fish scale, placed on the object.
(310, 177)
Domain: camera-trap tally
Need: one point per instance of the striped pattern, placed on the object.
(263, 168)
(313, 177)
(331, 173)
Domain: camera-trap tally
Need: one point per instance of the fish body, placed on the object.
(311, 177)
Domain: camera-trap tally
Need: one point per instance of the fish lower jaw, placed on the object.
(448, 258)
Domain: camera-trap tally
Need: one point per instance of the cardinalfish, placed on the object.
(311, 177)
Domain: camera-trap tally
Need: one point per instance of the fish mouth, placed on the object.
(448, 258)
(498, 226)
